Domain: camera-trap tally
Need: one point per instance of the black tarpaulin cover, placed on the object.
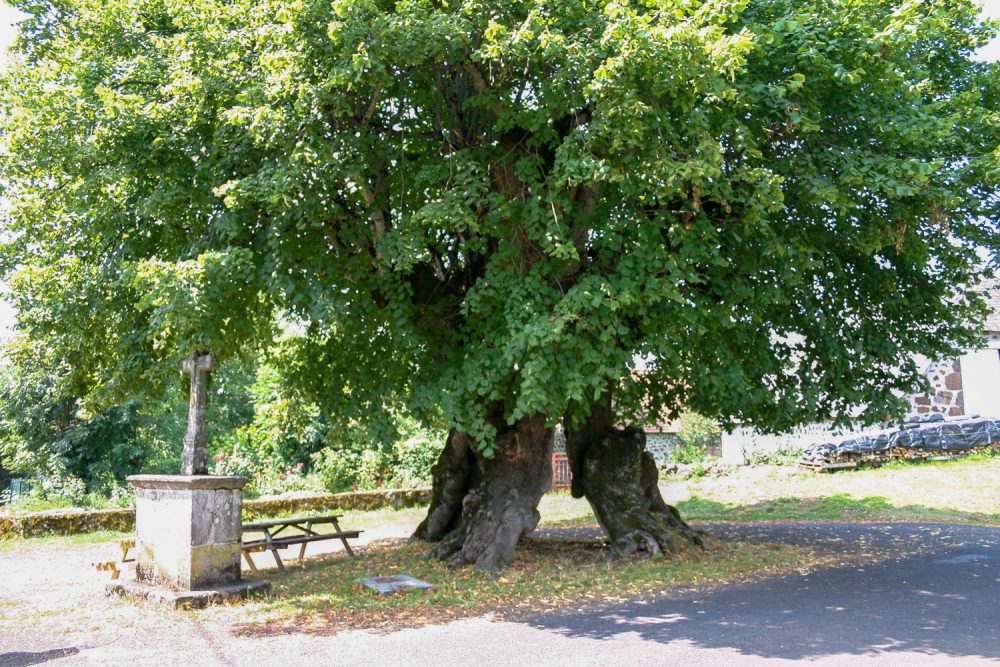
(936, 436)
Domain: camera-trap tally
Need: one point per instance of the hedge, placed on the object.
(71, 522)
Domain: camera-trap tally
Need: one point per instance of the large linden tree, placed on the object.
(493, 207)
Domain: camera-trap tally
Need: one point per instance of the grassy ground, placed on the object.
(961, 491)
(50, 587)
(547, 573)
(327, 595)
(57, 542)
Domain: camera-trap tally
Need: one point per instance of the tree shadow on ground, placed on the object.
(933, 591)
(26, 658)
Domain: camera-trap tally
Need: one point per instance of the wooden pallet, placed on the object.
(822, 466)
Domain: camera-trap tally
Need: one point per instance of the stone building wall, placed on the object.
(660, 445)
(657, 443)
(947, 397)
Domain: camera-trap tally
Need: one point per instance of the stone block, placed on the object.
(213, 564)
(943, 398)
(922, 400)
(216, 516)
(953, 381)
(188, 530)
(136, 590)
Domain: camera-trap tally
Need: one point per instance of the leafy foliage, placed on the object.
(48, 433)
(45, 429)
(406, 463)
(258, 428)
(481, 202)
(786, 456)
(340, 461)
(293, 444)
(699, 433)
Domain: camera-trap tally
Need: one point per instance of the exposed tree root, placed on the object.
(618, 478)
(613, 470)
(481, 507)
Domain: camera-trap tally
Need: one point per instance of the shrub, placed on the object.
(414, 458)
(699, 438)
(685, 453)
(406, 464)
(53, 489)
(267, 474)
(338, 469)
(784, 456)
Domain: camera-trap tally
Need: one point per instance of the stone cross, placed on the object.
(194, 459)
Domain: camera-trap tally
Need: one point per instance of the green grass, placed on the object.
(960, 491)
(840, 507)
(327, 595)
(560, 508)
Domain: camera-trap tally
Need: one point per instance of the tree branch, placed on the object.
(483, 88)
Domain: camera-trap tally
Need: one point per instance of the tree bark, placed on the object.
(613, 470)
(482, 507)
(452, 476)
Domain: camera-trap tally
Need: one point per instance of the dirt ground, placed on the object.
(929, 600)
(53, 607)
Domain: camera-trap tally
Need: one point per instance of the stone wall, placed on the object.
(947, 396)
(660, 445)
(65, 522)
(358, 501)
(71, 522)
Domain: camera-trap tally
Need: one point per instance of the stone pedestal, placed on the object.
(188, 530)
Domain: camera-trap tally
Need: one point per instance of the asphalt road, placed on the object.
(932, 598)
(937, 598)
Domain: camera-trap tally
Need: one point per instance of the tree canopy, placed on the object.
(476, 203)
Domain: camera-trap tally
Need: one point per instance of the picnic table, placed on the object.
(112, 566)
(273, 540)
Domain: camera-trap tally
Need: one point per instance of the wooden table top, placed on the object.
(271, 523)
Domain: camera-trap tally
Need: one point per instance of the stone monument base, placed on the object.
(136, 590)
(188, 530)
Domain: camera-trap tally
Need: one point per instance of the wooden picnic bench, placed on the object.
(126, 545)
(273, 540)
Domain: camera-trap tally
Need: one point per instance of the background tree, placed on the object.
(49, 430)
(491, 207)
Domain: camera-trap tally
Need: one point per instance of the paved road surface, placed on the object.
(935, 601)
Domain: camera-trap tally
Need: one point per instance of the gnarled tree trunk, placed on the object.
(616, 474)
(481, 507)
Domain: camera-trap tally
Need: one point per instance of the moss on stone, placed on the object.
(65, 522)
(356, 501)
(71, 522)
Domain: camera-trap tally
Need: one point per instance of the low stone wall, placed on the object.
(71, 522)
(359, 501)
(65, 522)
